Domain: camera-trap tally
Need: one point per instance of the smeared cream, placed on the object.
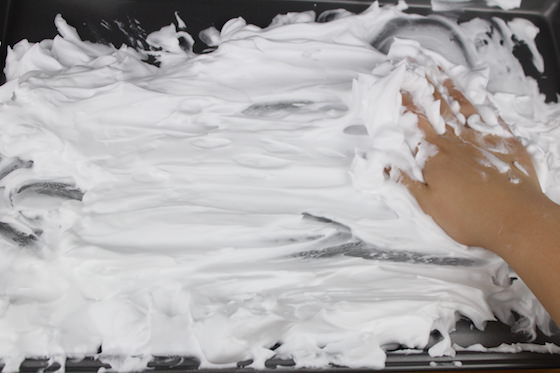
(223, 203)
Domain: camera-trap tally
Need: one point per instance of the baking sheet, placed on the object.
(33, 20)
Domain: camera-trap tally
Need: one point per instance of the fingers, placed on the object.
(446, 113)
(423, 123)
(445, 110)
(466, 107)
(508, 150)
(418, 189)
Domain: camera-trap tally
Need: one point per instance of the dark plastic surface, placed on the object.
(33, 20)
(394, 363)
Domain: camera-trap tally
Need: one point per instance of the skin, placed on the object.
(479, 206)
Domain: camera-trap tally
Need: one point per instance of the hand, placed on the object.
(477, 204)
(473, 201)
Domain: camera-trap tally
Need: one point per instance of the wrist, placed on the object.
(527, 226)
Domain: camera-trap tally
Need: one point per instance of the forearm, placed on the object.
(532, 248)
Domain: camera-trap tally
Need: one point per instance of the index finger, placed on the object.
(423, 122)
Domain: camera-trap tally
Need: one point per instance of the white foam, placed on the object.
(200, 178)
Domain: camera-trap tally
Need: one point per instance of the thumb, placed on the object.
(417, 188)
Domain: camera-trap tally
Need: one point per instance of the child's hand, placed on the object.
(499, 208)
(473, 201)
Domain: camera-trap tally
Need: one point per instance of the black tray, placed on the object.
(494, 335)
(33, 20)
